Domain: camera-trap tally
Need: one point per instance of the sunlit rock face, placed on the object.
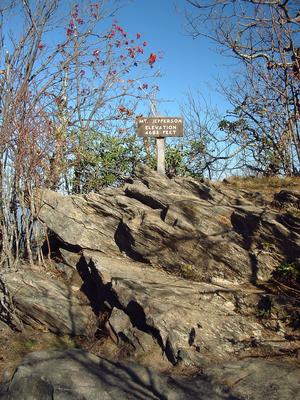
(169, 270)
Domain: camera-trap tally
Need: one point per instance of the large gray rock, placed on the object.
(287, 198)
(80, 223)
(192, 229)
(193, 323)
(125, 254)
(259, 379)
(195, 229)
(77, 375)
(43, 302)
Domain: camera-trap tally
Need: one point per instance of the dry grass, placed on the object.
(275, 183)
(267, 186)
(15, 345)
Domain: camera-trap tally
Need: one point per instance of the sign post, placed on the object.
(160, 154)
(160, 127)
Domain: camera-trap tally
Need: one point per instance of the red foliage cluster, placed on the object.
(152, 59)
(124, 110)
(94, 10)
(133, 51)
(74, 19)
(96, 53)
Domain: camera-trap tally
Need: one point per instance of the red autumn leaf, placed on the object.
(122, 109)
(131, 52)
(152, 59)
(145, 44)
(138, 35)
(111, 34)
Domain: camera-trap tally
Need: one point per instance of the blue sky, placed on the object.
(188, 64)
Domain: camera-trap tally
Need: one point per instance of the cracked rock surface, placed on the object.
(191, 321)
(77, 375)
(206, 232)
(168, 267)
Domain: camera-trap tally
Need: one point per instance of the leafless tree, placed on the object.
(62, 76)
(262, 35)
(209, 150)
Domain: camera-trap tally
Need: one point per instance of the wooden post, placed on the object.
(160, 152)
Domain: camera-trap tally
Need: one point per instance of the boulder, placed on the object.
(164, 267)
(287, 198)
(192, 323)
(191, 228)
(259, 379)
(77, 375)
(43, 302)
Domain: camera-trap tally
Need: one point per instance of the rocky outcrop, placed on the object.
(122, 245)
(45, 302)
(165, 267)
(193, 322)
(191, 228)
(287, 198)
(148, 311)
(78, 375)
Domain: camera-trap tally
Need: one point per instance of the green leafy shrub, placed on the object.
(288, 271)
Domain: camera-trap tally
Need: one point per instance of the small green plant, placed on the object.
(288, 271)
(187, 271)
(65, 342)
(262, 313)
(266, 245)
(264, 307)
(30, 343)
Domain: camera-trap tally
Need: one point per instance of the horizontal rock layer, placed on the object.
(195, 229)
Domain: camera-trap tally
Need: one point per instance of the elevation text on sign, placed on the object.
(159, 126)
